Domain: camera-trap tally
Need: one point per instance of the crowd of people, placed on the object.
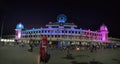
(31, 45)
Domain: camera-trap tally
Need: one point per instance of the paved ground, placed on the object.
(20, 55)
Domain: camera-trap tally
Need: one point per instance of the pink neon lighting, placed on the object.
(103, 28)
(104, 32)
(18, 34)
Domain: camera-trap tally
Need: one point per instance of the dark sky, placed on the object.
(86, 14)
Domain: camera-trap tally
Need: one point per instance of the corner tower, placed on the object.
(18, 30)
(104, 32)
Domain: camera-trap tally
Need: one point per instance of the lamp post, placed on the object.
(2, 29)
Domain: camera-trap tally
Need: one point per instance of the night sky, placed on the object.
(86, 14)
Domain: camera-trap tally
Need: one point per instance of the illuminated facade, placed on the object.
(18, 31)
(64, 33)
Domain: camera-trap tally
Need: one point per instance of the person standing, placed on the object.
(44, 56)
(31, 46)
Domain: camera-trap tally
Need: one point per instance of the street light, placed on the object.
(2, 29)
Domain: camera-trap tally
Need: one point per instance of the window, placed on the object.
(54, 26)
(72, 31)
(76, 32)
(45, 31)
(55, 35)
(69, 31)
(65, 31)
(62, 31)
(42, 31)
(58, 35)
(52, 35)
(48, 35)
(67, 27)
(48, 31)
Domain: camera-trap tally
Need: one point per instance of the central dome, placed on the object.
(61, 18)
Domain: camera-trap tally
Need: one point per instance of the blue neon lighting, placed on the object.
(19, 26)
(62, 18)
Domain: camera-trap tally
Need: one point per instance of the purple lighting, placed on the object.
(103, 28)
(104, 32)
(62, 32)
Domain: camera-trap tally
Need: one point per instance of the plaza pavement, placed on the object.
(20, 55)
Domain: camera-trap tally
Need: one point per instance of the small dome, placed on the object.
(61, 18)
(20, 26)
(103, 28)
